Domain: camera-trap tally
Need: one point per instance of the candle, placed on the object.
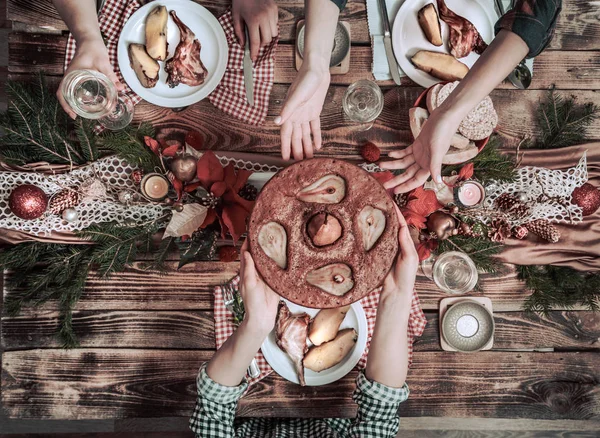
(154, 186)
(470, 193)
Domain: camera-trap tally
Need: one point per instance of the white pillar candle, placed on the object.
(471, 193)
(155, 186)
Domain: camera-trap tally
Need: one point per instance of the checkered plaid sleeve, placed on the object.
(377, 409)
(215, 407)
(534, 21)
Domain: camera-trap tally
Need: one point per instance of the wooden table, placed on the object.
(143, 336)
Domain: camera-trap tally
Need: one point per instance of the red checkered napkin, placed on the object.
(230, 94)
(111, 18)
(224, 325)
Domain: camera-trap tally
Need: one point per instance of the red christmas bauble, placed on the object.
(28, 201)
(587, 197)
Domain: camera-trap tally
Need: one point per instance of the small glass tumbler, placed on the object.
(455, 273)
(363, 103)
(92, 95)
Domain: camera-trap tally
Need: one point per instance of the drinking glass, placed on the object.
(454, 272)
(363, 102)
(92, 95)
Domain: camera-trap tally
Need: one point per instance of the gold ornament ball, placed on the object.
(70, 215)
(28, 202)
(442, 224)
(184, 167)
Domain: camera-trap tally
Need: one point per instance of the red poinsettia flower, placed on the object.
(224, 183)
(424, 248)
(421, 203)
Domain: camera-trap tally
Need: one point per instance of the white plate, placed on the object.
(214, 52)
(408, 37)
(282, 364)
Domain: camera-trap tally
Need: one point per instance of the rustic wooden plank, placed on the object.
(113, 329)
(191, 288)
(145, 383)
(195, 330)
(564, 69)
(578, 26)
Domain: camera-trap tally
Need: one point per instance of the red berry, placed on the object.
(228, 254)
(370, 152)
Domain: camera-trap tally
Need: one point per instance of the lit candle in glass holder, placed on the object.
(469, 194)
(154, 186)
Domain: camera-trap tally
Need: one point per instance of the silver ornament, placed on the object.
(126, 197)
(522, 197)
(92, 189)
(70, 215)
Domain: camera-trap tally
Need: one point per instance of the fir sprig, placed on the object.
(129, 145)
(479, 249)
(563, 122)
(489, 164)
(559, 286)
(34, 128)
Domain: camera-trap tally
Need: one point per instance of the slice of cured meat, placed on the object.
(185, 67)
(464, 37)
(291, 333)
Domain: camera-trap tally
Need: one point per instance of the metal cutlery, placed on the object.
(234, 305)
(387, 43)
(248, 72)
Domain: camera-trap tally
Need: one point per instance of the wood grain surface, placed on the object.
(102, 383)
(194, 329)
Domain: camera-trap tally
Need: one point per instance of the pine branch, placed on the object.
(563, 122)
(479, 249)
(160, 257)
(87, 138)
(129, 145)
(489, 164)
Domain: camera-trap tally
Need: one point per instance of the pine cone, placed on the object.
(544, 229)
(248, 192)
(401, 199)
(62, 200)
(511, 205)
(499, 230)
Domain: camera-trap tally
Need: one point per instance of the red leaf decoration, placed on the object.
(414, 219)
(242, 179)
(195, 140)
(170, 151)
(218, 189)
(383, 177)
(466, 172)
(229, 175)
(234, 217)
(234, 198)
(152, 144)
(191, 187)
(424, 249)
(211, 216)
(423, 202)
(209, 169)
(177, 185)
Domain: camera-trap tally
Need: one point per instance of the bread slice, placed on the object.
(431, 98)
(457, 156)
(440, 65)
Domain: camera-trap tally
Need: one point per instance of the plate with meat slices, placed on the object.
(315, 347)
(172, 53)
(440, 40)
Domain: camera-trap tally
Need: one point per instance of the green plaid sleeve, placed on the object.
(215, 407)
(377, 409)
(534, 21)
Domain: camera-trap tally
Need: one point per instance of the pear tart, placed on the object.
(323, 233)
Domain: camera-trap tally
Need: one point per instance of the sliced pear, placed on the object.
(145, 68)
(430, 23)
(326, 324)
(272, 238)
(156, 33)
(371, 223)
(329, 189)
(335, 279)
(331, 353)
(440, 65)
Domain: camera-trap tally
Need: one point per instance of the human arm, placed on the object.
(219, 382)
(260, 16)
(301, 112)
(381, 388)
(522, 32)
(81, 19)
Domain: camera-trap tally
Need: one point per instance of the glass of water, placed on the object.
(363, 102)
(455, 273)
(92, 95)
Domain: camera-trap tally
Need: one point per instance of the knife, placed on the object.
(248, 72)
(387, 43)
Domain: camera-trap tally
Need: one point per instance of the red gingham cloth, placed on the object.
(230, 94)
(224, 325)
